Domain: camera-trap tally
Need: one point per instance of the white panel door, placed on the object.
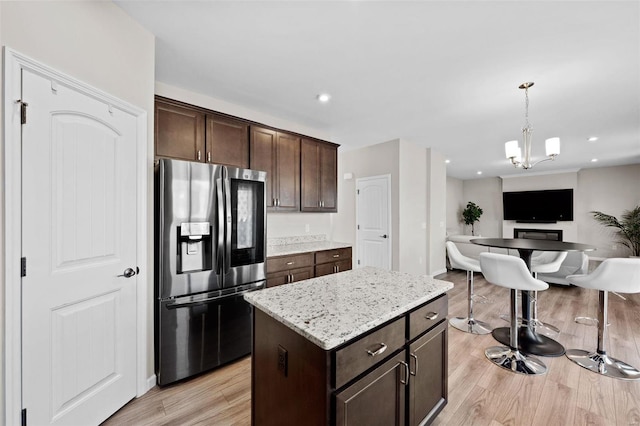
(79, 236)
(373, 222)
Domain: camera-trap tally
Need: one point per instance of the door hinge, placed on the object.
(23, 267)
(358, 261)
(358, 226)
(23, 111)
(358, 191)
(24, 417)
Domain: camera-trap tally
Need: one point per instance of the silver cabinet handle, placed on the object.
(208, 157)
(415, 370)
(128, 273)
(337, 268)
(406, 373)
(291, 278)
(290, 263)
(431, 316)
(380, 350)
(199, 155)
(336, 255)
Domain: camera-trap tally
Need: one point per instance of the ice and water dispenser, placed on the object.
(195, 247)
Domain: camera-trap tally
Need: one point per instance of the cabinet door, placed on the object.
(428, 382)
(319, 163)
(328, 158)
(309, 160)
(263, 157)
(288, 170)
(179, 132)
(333, 267)
(376, 399)
(227, 141)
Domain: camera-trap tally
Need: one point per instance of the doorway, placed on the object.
(373, 222)
(74, 247)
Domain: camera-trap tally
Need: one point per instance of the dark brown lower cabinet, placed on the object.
(376, 399)
(295, 382)
(428, 370)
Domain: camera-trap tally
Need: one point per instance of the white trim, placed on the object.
(151, 383)
(14, 63)
(389, 218)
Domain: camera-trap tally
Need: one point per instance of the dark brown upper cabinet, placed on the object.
(190, 133)
(179, 132)
(319, 165)
(227, 141)
(278, 154)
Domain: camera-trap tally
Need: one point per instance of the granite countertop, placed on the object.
(336, 308)
(305, 247)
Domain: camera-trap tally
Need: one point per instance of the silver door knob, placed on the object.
(383, 236)
(128, 273)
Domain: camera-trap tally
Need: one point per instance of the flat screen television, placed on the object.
(552, 205)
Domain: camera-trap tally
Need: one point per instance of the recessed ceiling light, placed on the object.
(323, 97)
(594, 160)
(479, 172)
(593, 139)
(447, 161)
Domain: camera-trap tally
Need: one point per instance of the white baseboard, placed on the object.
(151, 382)
(438, 272)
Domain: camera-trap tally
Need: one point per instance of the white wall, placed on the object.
(374, 160)
(436, 212)
(611, 190)
(98, 43)
(455, 197)
(412, 208)
(487, 193)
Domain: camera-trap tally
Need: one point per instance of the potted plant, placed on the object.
(471, 214)
(627, 228)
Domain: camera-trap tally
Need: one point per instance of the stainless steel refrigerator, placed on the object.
(210, 249)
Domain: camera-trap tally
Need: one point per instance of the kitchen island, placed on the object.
(366, 346)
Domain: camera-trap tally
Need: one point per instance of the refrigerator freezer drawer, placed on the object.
(198, 337)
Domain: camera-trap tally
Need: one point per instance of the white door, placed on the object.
(78, 238)
(373, 211)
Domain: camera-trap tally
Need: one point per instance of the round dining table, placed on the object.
(529, 341)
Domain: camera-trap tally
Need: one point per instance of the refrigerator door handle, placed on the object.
(220, 214)
(217, 297)
(228, 219)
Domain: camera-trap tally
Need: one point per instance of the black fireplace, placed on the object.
(538, 234)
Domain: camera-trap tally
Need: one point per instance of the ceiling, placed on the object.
(443, 75)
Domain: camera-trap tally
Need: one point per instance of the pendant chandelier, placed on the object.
(512, 149)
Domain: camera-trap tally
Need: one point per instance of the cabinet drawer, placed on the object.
(333, 267)
(290, 276)
(368, 351)
(427, 316)
(333, 255)
(284, 263)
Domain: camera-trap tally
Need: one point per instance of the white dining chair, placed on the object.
(511, 272)
(617, 275)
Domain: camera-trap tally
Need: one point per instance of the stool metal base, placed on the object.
(603, 364)
(515, 361)
(472, 325)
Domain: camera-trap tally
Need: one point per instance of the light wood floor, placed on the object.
(479, 393)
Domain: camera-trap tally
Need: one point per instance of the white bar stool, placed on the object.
(459, 261)
(545, 262)
(620, 276)
(511, 272)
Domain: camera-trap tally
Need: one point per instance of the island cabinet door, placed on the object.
(376, 399)
(428, 370)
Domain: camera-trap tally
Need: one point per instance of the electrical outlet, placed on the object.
(283, 360)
